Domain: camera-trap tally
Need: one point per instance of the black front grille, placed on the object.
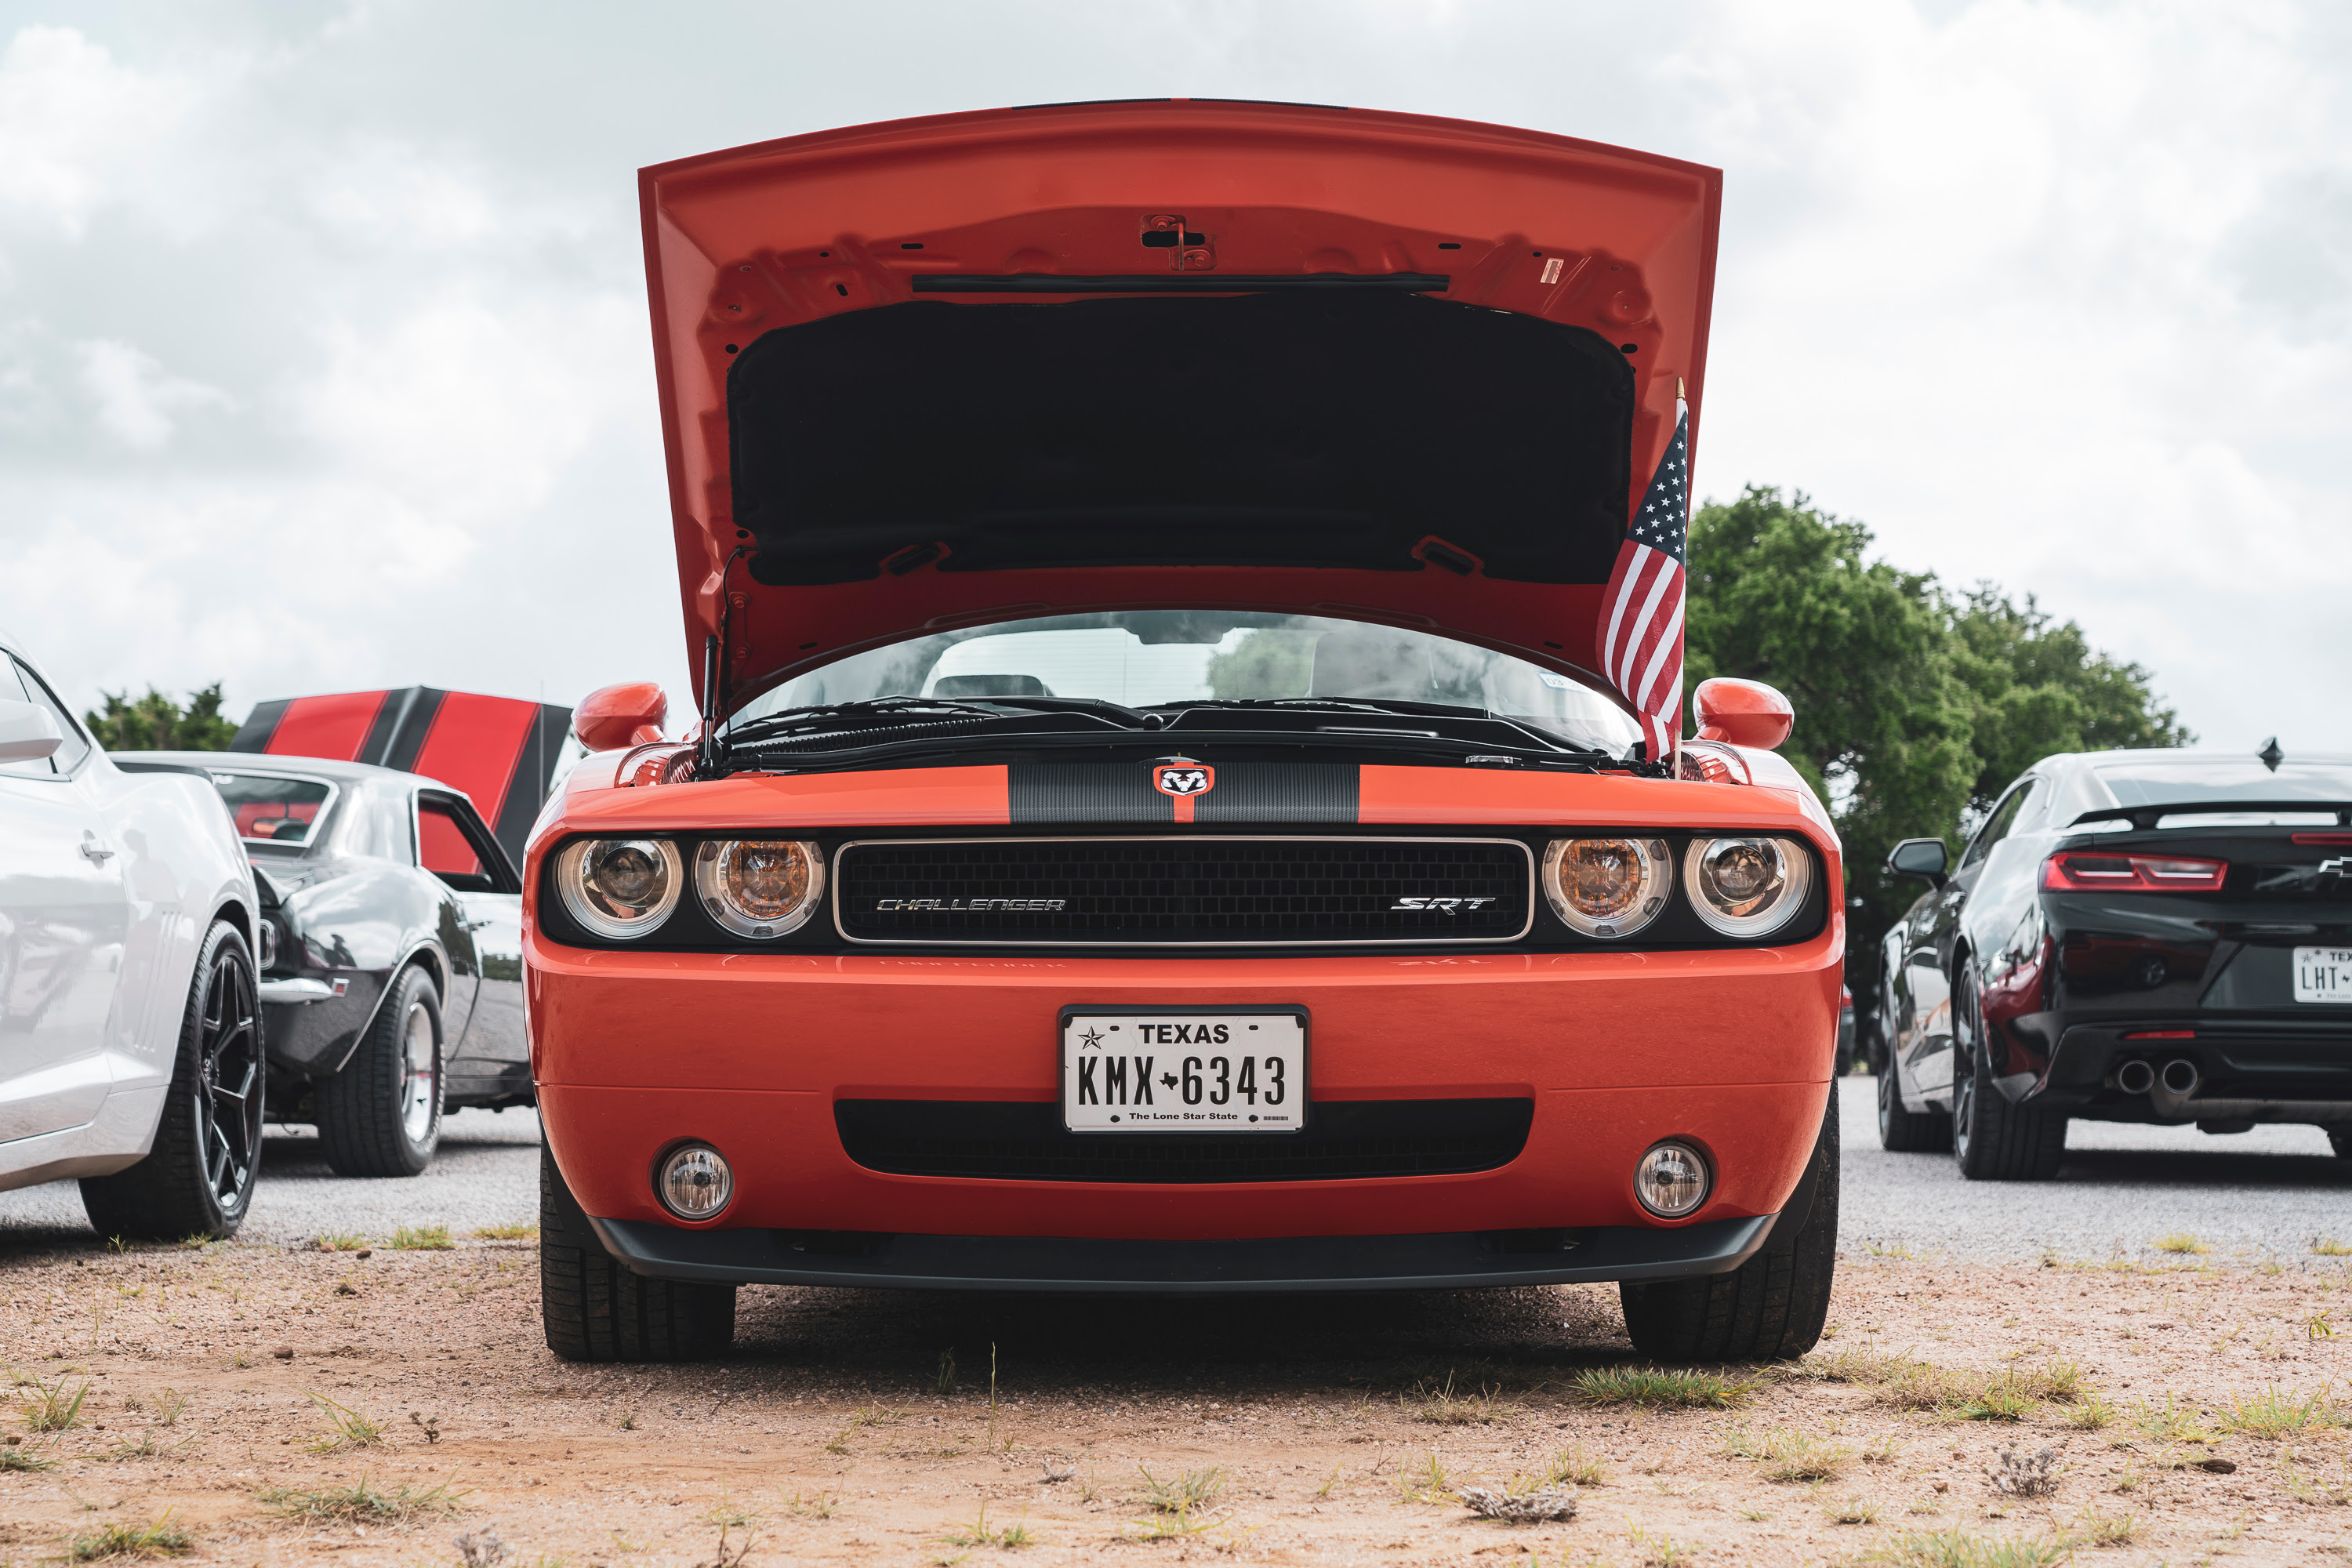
(1025, 1142)
(1184, 890)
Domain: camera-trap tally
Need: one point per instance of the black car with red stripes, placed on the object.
(2154, 936)
(391, 983)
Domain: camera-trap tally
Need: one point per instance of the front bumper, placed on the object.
(1445, 1260)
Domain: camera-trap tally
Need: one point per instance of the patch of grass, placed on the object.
(1956, 1547)
(1785, 1454)
(2182, 1242)
(341, 1241)
(1677, 1387)
(50, 1408)
(1187, 1492)
(811, 1505)
(1882, 1450)
(1853, 1510)
(24, 1459)
(1573, 1463)
(160, 1539)
(728, 1515)
(1425, 1482)
(360, 1504)
(2274, 1412)
(1998, 1399)
(347, 1429)
(2328, 1246)
(1863, 1367)
(168, 1407)
(519, 1231)
(1444, 1406)
(2090, 1415)
(1658, 1549)
(422, 1239)
(2169, 1422)
(2093, 1529)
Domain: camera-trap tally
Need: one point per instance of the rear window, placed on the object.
(2210, 781)
(274, 810)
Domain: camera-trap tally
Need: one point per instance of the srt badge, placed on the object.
(1183, 781)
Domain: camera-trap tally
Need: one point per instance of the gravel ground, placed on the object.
(2251, 1196)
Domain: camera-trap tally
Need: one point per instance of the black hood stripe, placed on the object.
(1048, 793)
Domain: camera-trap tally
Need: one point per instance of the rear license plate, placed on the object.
(1181, 1069)
(2323, 975)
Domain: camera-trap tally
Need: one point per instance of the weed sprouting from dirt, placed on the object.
(428, 1424)
(947, 1378)
(1673, 1386)
(2180, 1242)
(1784, 1454)
(1186, 1492)
(2090, 1415)
(160, 1539)
(2169, 1422)
(1657, 1548)
(1425, 1482)
(1444, 1406)
(168, 1406)
(347, 1429)
(422, 1239)
(1012, 1538)
(360, 1504)
(1956, 1547)
(728, 1514)
(23, 1459)
(2328, 1246)
(1573, 1463)
(1853, 1510)
(517, 1231)
(1866, 1367)
(50, 1408)
(2094, 1529)
(341, 1241)
(2274, 1412)
(808, 1505)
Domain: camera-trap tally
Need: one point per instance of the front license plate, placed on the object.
(2323, 975)
(1184, 1070)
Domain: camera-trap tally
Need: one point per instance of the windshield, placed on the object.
(278, 810)
(1148, 659)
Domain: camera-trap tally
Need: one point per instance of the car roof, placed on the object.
(302, 767)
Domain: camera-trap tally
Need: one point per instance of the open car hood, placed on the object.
(1167, 354)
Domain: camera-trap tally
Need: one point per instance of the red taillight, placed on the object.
(2088, 871)
(2330, 838)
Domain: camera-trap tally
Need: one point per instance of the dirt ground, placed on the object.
(2197, 1413)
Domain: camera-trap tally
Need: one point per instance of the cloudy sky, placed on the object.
(324, 363)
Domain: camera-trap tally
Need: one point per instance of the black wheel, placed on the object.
(2339, 1138)
(381, 1115)
(1904, 1131)
(1770, 1308)
(1993, 1140)
(595, 1310)
(197, 1179)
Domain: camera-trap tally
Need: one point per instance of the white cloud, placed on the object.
(136, 397)
(73, 122)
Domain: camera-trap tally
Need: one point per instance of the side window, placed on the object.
(446, 847)
(69, 755)
(2004, 818)
(12, 689)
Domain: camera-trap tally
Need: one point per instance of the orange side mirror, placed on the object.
(1742, 713)
(612, 717)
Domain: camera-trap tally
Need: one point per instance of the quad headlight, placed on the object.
(759, 887)
(1747, 886)
(1607, 886)
(620, 886)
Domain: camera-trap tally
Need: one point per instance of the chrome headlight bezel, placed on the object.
(710, 889)
(1773, 914)
(1657, 860)
(572, 869)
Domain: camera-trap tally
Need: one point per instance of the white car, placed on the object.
(131, 1049)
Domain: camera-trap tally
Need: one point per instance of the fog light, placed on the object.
(695, 1182)
(1672, 1180)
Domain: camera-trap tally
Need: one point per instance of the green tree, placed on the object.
(156, 723)
(1914, 707)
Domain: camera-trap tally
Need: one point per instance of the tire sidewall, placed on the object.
(416, 989)
(226, 945)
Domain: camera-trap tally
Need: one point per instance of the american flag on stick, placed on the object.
(1642, 650)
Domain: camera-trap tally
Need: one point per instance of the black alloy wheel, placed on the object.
(1993, 1140)
(1770, 1308)
(1901, 1131)
(197, 1179)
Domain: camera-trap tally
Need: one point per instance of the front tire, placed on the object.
(595, 1310)
(1770, 1308)
(2339, 1138)
(381, 1115)
(1901, 1131)
(1993, 1140)
(198, 1177)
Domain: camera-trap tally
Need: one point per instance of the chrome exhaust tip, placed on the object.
(2181, 1077)
(2136, 1078)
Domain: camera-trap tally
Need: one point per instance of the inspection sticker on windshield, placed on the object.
(2323, 975)
(1182, 1069)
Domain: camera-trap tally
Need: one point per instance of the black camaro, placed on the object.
(2131, 936)
(391, 983)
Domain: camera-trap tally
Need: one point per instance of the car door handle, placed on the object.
(94, 849)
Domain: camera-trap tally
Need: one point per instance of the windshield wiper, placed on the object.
(850, 714)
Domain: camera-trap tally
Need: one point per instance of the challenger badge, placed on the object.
(1183, 781)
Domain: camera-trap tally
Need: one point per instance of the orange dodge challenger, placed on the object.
(1188, 794)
